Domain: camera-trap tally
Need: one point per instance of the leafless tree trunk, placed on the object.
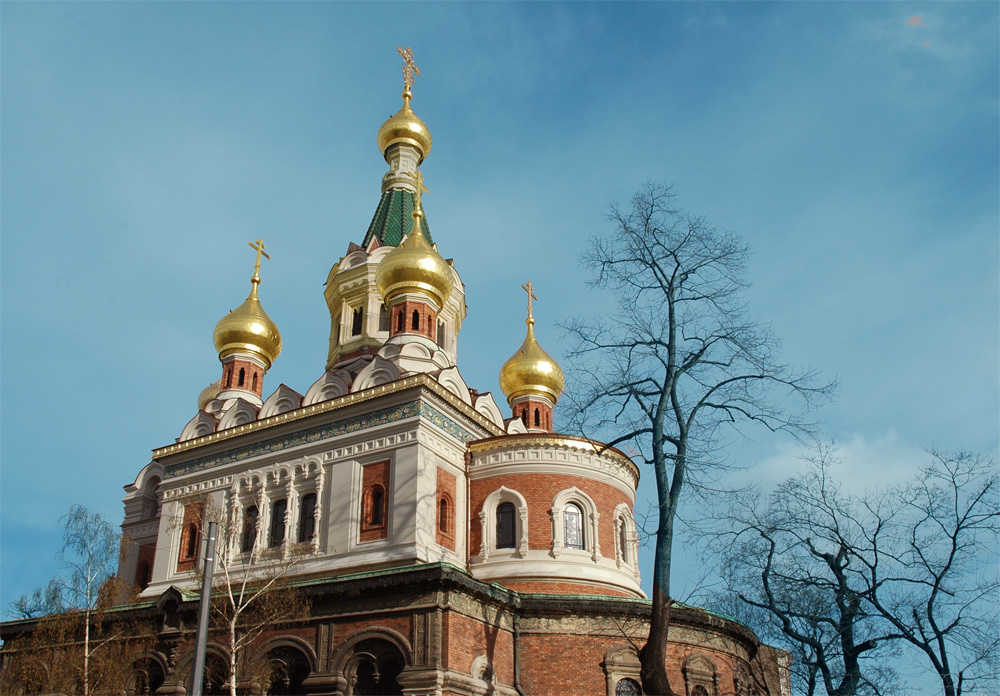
(676, 361)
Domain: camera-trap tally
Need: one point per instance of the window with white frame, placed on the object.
(575, 523)
(504, 524)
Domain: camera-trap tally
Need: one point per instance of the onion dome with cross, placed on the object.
(247, 340)
(531, 379)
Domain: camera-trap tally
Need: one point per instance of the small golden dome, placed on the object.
(405, 127)
(248, 329)
(208, 394)
(531, 371)
(414, 266)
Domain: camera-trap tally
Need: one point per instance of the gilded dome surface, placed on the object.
(405, 127)
(414, 266)
(248, 329)
(208, 394)
(531, 371)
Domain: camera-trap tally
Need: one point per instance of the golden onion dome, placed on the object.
(414, 266)
(531, 371)
(208, 394)
(248, 329)
(405, 127)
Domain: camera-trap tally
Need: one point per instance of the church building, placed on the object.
(449, 542)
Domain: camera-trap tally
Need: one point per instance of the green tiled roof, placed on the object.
(392, 219)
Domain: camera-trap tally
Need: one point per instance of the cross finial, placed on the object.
(418, 179)
(259, 247)
(409, 67)
(527, 287)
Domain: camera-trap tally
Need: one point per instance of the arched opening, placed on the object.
(215, 677)
(242, 377)
(357, 320)
(278, 510)
(250, 520)
(374, 669)
(377, 513)
(307, 518)
(538, 418)
(383, 318)
(253, 383)
(443, 514)
(623, 539)
(628, 687)
(573, 526)
(191, 547)
(229, 377)
(415, 321)
(147, 677)
(400, 321)
(142, 575)
(285, 671)
(506, 526)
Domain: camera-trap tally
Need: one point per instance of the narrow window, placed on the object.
(383, 318)
(278, 522)
(623, 539)
(443, 515)
(192, 541)
(377, 514)
(142, 576)
(416, 320)
(400, 321)
(243, 376)
(440, 336)
(524, 417)
(505, 525)
(335, 330)
(359, 315)
(250, 521)
(573, 526)
(307, 518)
(253, 385)
(229, 377)
(538, 418)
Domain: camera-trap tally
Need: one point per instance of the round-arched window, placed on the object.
(628, 687)
(573, 526)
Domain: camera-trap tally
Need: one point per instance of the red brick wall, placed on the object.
(525, 410)
(564, 588)
(538, 491)
(467, 638)
(374, 476)
(446, 492)
(191, 526)
(428, 319)
(147, 553)
(231, 376)
(563, 664)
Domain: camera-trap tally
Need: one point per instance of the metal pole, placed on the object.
(201, 637)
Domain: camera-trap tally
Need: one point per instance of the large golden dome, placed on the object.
(414, 266)
(405, 127)
(531, 371)
(248, 329)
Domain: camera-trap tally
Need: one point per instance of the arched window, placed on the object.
(358, 319)
(628, 687)
(191, 548)
(415, 324)
(383, 318)
(506, 526)
(142, 575)
(229, 377)
(278, 510)
(538, 418)
(400, 321)
(524, 417)
(335, 331)
(253, 385)
(699, 690)
(443, 512)
(243, 376)
(573, 526)
(251, 518)
(377, 514)
(623, 539)
(307, 518)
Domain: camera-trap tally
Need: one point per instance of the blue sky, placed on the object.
(143, 144)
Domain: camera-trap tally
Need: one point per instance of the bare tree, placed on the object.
(937, 582)
(250, 590)
(39, 602)
(676, 361)
(792, 561)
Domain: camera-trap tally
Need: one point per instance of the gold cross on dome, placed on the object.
(259, 246)
(409, 67)
(527, 287)
(418, 178)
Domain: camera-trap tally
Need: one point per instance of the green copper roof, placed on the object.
(392, 219)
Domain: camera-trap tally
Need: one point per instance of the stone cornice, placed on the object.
(553, 440)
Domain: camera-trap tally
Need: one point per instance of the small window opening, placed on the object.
(383, 318)
(623, 539)
(440, 336)
(524, 417)
(400, 321)
(538, 418)
(443, 515)
(377, 516)
(359, 315)
(242, 378)
(142, 576)
(253, 384)
(192, 541)
(307, 518)
(505, 526)
(335, 330)
(250, 521)
(278, 511)
(573, 526)
(628, 687)
(415, 324)
(229, 377)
